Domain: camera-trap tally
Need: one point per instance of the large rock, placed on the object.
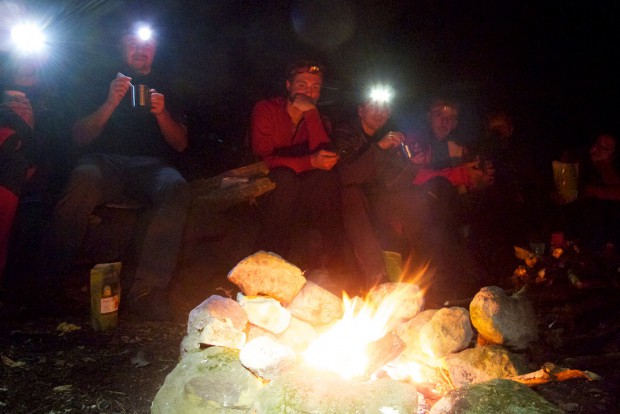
(448, 331)
(409, 332)
(268, 274)
(504, 320)
(484, 363)
(316, 305)
(216, 321)
(266, 358)
(495, 396)
(406, 296)
(211, 381)
(265, 312)
(302, 392)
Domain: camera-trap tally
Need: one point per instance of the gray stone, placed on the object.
(484, 363)
(268, 274)
(210, 381)
(265, 312)
(495, 396)
(304, 392)
(407, 296)
(266, 358)
(216, 321)
(504, 320)
(448, 331)
(316, 305)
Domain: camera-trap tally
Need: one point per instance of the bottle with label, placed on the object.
(105, 295)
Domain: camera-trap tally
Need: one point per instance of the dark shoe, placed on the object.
(150, 305)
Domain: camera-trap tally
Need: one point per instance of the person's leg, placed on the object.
(276, 210)
(168, 196)
(13, 174)
(320, 200)
(95, 180)
(361, 234)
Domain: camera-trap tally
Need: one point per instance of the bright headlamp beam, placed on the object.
(381, 95)
(144, 33)
(28, 38)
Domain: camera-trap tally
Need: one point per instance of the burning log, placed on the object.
(551, 373)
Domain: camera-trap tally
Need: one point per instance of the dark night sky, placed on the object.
(553, 63)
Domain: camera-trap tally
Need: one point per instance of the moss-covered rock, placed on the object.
(495, 396)
(301, 392)
(207, 382)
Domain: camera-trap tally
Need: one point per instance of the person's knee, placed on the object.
(175, 190)
(83, 189)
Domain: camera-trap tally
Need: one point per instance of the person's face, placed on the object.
(373, 115)
(603, 149)
(308, 84)
(138, 54)
(443, 120)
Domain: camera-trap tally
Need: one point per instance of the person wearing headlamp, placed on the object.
(378, 196)
(130, 150)
(291, 136)
(30, 148)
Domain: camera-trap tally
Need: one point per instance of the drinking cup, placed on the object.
(141, 97)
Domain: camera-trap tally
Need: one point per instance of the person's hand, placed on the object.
(420, 158)
(158, 102)
(302, 102)
(20, 105)
(118, 89)
(324, 160)
(480, 178)
(391, 140)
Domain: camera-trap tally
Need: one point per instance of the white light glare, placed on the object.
(381, 94)
(28, 37)
(145, 33)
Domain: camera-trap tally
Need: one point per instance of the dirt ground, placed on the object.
(56, 363)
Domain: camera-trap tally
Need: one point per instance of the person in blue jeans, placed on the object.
(130, 151)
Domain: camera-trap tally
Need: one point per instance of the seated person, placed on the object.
(378, 190)
(32, 160)
(292, 137)
(129, 151)
(442, 154)
(593, 220)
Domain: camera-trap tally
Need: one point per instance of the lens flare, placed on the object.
(28, 38)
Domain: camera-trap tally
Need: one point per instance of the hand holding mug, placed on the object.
(391, 140)
(118, 89)
(158, 102)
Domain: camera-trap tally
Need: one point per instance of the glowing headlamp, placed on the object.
(381, 94)
(144, 33)
(28, 38)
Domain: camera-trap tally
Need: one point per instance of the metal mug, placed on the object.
(141, 97)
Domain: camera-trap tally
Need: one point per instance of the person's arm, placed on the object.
(269, 133)
(89, 128)
(360, 160)
(610, 192)
(175, 133)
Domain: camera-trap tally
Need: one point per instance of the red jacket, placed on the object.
(272, 130)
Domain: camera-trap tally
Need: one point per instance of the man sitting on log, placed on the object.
(292, 137)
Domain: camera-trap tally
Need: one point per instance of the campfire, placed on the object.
(286, 345)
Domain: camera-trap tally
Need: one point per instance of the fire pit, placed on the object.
(286, 345)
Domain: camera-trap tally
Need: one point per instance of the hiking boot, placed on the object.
(150, 305)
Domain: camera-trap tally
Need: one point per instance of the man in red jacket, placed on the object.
(292, 137)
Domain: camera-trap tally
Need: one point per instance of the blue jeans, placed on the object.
(101, 178)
